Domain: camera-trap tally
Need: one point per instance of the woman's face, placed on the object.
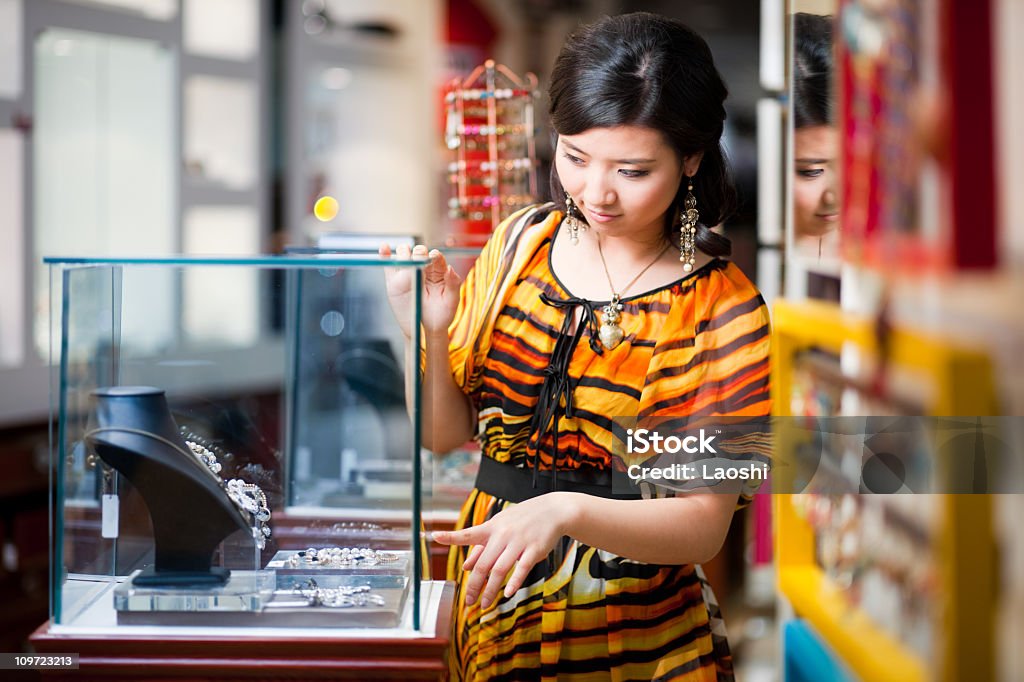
(815, 200)
(623, 179)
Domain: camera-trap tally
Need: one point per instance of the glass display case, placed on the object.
(180, 446)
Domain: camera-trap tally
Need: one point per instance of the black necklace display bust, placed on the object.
(133, 431)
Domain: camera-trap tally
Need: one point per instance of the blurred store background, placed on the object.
(156, 127)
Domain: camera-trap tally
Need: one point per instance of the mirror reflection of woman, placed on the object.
(815, 139)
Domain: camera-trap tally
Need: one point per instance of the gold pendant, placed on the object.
(611, 333)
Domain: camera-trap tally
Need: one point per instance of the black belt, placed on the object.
(509, 482)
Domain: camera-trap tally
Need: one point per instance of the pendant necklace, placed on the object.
(611, 333)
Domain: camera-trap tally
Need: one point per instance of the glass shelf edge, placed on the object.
(328, 260)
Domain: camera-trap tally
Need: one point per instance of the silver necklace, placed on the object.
(611, 333)
(247, 497)
(341, 557)
(344, 596)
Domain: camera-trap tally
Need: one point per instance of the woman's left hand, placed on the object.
(517, 537)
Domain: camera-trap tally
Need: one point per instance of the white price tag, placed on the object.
(110, 516)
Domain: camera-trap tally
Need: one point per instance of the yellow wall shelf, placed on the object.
(963, 387)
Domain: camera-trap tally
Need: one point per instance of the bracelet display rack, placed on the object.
(490, 132)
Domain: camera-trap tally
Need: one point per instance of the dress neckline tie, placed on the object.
(558, 387)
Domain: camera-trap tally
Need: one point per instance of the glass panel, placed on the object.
(12, 263)
(221, 309)
(351, 441)
(228, 29)
(144, 522)
(221, 118)
(161, 10)
(290, 262)
(105, 165)
(449, 478)
(10, 49)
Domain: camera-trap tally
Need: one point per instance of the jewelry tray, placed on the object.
(246, 600)
(290, 576)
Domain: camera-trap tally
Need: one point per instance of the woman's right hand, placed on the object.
(440, 290)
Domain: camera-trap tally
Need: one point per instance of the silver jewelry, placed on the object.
(340, 557)
(611, 333)
(335, 598)
(204, 455)
(572, 220)
(251, 499)
(358, 525)
(345, 596)
(688, 228)
(247, 497)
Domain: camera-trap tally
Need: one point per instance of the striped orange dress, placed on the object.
(696, 346)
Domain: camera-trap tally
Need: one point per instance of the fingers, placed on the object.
(494, 557)
(497, 576)
(466, 536)
(405, 252)
(509, 559)
(437, 272)
(401, 253)
(452, 279)
(474, 556)
(523, 567)
(478, 577)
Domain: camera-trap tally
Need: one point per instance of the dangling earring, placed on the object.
(688, 229)
(572, 220)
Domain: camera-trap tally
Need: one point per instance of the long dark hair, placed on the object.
(647, 70)
(812, 70)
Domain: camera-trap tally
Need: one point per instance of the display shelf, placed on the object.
(152, 653)
(808, 659)
(867, 649)
(961, 525)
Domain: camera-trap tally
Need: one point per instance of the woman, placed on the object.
(564, 578)
(815, 139)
